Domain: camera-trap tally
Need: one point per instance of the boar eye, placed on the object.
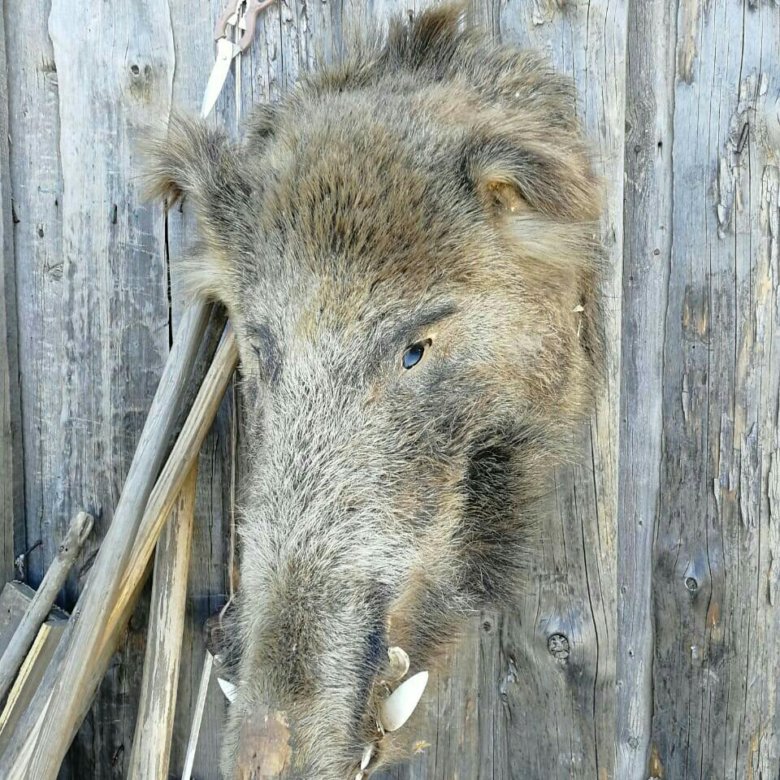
(413, 355)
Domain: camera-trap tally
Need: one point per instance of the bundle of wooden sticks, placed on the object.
(160, 485)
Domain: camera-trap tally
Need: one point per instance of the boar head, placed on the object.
(407, 245)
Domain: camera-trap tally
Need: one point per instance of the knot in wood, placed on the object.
(558, 645)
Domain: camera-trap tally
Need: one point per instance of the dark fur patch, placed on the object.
(490, 530)
(266, 347)
(261, 125)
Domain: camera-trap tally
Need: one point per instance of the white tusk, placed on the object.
(228, 689)
(359, 776)
(367, 754)
(399, 662)
(402, 702)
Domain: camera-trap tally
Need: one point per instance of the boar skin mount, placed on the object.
(407, 245)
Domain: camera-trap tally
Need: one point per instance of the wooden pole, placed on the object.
(45, 732)
(150, 756)
(40, 606)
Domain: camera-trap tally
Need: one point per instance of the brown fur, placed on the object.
(436, 189)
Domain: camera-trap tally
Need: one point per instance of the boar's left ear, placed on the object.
(546, 202)
(551, 178)
(193, 162)
(542, 195)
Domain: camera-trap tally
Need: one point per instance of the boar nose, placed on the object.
(264, 745)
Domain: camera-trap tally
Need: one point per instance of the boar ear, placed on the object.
(543, 196)
(553, 179)
(191, 161)
(546, 201)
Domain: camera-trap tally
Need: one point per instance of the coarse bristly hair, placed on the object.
(408, 248)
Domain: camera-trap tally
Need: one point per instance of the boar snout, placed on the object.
(271, 743)
(264, 743)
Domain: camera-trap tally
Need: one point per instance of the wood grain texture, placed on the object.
(11, 472)
(90, 286)
(150, 757)
(646, 264)
(716, 662)
(36, 193)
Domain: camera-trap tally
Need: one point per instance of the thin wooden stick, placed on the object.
(151, 751)
(41, 742)
(197, 716)
(40, 606)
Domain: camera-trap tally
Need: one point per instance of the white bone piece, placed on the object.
(402, 702)
(228, 689)
(399, 662)
(367, 754)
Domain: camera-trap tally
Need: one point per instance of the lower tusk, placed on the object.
(402, 702)
(367, 755)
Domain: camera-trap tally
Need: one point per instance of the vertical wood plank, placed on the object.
(207, 587)
(646, 263)
(150, 757)
(11, 481)
(36, 184)
(716, 667)
(92, 297)
(114, 67)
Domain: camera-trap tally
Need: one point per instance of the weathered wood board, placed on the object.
(208, 586)
(91, 287)
(11, 471)
(645, 644)
(699, 667)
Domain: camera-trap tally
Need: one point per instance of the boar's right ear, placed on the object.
(191, 161)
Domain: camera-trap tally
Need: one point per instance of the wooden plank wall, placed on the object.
(643, 647)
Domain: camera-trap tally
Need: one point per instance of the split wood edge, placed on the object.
(197, 715)
(150, 756)
(60, 704)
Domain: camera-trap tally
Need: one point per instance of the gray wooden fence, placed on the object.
(649, 642)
